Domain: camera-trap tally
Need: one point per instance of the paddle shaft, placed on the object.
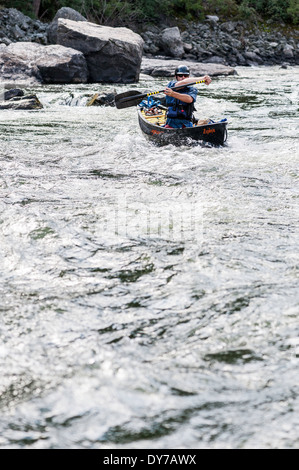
(123, 101)
(175, 88)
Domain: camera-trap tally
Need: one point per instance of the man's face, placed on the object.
(181, 76)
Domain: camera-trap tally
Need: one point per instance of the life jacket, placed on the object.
(180, 110)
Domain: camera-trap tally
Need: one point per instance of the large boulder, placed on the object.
(35, 63)
(171, 42)
(113, 55)
(66, 13)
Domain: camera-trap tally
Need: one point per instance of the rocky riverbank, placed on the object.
(227, 43)
(73, 50)
(15, 27)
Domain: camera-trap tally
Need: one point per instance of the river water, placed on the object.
(149, 296)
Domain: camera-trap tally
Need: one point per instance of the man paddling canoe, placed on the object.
(181, 104)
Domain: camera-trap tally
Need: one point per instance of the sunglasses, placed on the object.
(182, 74)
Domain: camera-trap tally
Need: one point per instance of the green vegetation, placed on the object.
(118, 12)
(277, 10)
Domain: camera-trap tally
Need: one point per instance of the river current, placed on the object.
(149, 295)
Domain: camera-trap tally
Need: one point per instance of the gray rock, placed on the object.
(250, 55)
(113, 55)
(35, 63)
(5, 40)
(61, 64)
(187, 47)
(253, 58)
(288, 51)
(16, 26)
(240, 59)
(228, 26)
(166, 68)
(13, 93)
(21, 101)
(216, 59)
(150, 48)
(14, 68)
(66, 13)
(171, 42)
(212, 18)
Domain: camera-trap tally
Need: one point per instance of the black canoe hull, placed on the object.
(214, 134)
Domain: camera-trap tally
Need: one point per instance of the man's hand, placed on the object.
(168, 91)
(207, 79)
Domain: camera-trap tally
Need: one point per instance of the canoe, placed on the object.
(214, 133)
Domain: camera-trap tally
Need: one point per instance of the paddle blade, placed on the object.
(128, 98)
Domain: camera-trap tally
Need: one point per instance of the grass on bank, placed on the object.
(138, 12)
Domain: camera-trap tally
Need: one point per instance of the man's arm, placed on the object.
(188, 80)
(179, 96)
(182, 96)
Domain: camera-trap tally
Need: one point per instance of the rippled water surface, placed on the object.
(149, 296)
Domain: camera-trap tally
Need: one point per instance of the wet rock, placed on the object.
(16, 99)
(113, 55)
(13, 93)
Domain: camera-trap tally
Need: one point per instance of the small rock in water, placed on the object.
(16, 99)
(13, 93)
